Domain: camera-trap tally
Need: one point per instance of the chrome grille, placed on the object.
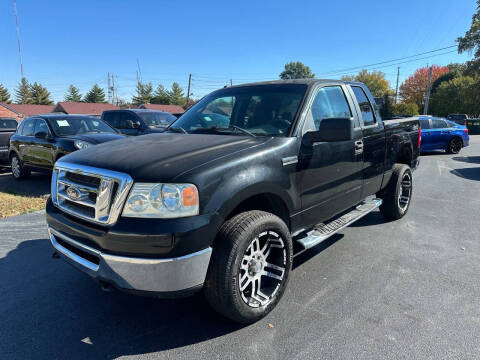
(89, 193)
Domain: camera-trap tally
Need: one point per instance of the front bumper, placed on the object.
(166, 275)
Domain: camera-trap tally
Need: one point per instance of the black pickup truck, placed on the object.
(8, 126)
(221, 202)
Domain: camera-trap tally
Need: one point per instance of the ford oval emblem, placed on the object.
(74, 193)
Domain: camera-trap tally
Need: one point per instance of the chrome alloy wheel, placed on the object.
(262, 269)
(16, 167)
(405, 191)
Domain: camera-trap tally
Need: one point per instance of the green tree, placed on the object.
(40, 95)
(4, 95)
(296, 70)
(73, 94)
(22, 92)
(176, 95)
(161, 96)
(95, 95)
(404, 108)
(471, 42)
(375, 81)
(144, 94)
(458, 95)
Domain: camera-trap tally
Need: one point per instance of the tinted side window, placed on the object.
(330, 102)
(8, 124)
(29, 127)
(20, 128)
(425, 124)
(365, 106)
(439, 124)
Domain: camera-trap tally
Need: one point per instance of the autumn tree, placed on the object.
(73, 94)
(144, 94)
(414, 87)
(471, 42)
(375, 81)
(22, 93)
(296, 70)
(4, 95)
(95, 95)
(40, 95)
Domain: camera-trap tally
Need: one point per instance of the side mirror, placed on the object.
(332, 129)
(41, 135)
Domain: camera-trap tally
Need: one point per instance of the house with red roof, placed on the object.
(93, 109)
(172, 109)
(21, 111)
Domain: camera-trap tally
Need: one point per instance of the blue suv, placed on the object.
(442, 134)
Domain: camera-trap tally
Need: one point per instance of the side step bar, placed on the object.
(322, 231)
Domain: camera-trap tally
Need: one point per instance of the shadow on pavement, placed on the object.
(50, 310)
(37, 184)
(468, 173)
(468, 159)
(433, 152)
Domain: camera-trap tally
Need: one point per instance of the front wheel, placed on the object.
(249, 268)
(398, 193)
(454, 146)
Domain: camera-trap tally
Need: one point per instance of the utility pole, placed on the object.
(109, 93)
(396, 91)
(231, 84)
(188, 91)
(427, 97)
(18, 37)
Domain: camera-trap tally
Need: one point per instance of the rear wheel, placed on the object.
(250, 265)
(18, 170)
(454, 146)
(398, 193)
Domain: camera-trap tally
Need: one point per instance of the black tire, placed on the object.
(397, 196)
(454, 146)
(18, 170)
(236, 241)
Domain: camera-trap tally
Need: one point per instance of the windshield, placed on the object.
(79, 125)
(156, 119)
(261, 110)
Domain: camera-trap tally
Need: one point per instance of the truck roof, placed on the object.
(298, 81)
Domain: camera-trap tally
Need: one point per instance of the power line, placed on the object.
(18, 37)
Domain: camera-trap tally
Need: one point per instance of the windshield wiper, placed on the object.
(178, 128)
(230, 127)
(241, 129)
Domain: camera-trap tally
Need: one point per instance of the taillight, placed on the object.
(419, 136)
(466, 130)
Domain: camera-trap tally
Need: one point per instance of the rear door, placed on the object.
(374, 142)
(330, 173)
(26, 141)
(441, 133)
(42, 151)
(427, 140)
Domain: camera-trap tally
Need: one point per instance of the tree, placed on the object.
(144, 94)
(454, 70)
(414, 87)
(95, 95)
(40, 95)
(471, 42)
(375, 81)
(176, 95)
(458, 95)
(4, 95)
(161, 96)
(404, 108)
(296, 70)
(73, 94)
(22, 92)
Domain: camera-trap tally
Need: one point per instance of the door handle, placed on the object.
(358, 147)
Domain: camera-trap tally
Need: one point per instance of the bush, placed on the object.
(403, 108)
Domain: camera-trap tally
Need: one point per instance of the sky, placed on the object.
(79, 42)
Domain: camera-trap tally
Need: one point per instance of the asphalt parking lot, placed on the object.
(378, 290)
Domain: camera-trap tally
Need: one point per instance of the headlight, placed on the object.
(162, 201)
(80, 144)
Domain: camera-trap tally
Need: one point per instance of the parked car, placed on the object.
(41, 140)
(8, 126)
(138, 121)
(460, 119)
(221, 207)
(441, 134)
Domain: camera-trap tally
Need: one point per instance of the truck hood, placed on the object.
(96, 138)
(161, 157)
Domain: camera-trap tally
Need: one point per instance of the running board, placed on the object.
(322, 231)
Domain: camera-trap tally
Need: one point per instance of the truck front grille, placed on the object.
(89, 193)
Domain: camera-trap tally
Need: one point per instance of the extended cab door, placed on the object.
(330, 173)
(374, 141)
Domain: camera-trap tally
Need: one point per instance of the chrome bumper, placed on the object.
(142, 274)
